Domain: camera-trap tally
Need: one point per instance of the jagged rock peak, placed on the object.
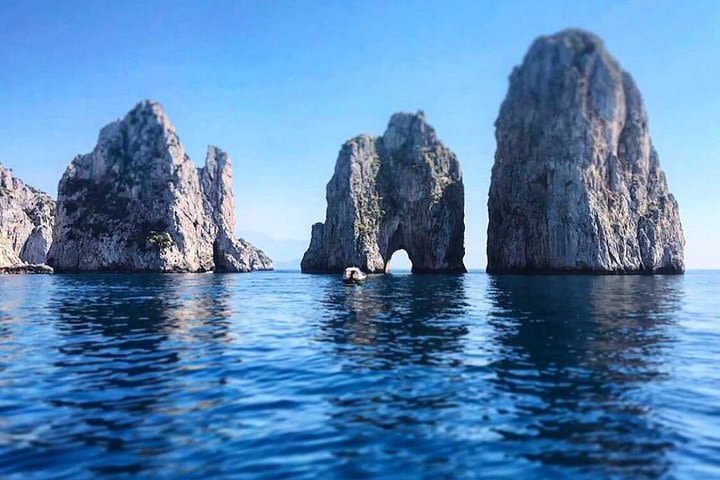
(408, 129)
(402, 190)
(149, 109)
(26, 221)
(577, 184)
(137, 203)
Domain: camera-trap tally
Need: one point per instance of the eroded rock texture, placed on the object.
(26, 222)
(137, 203)
(577, 184)
(403, 190)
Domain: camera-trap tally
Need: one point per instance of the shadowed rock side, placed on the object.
(403, 190)
(137, 203)
(577, 184)
(26, 221)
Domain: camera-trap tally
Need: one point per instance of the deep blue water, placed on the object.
(283, 375)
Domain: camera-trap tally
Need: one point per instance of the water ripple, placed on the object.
(287, 375)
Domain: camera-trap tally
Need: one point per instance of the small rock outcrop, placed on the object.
(577, 185)
(403, 190)
(137, 203)
(26, 222)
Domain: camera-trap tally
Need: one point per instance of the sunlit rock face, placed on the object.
(230, 254)
(26, 221)
(577, 185)
(137, 203)
(402, 190)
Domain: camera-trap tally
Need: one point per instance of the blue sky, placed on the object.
(280, 85)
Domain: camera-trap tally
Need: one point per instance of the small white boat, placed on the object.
(353, 276)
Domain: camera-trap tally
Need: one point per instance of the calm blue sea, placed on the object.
(283, 375)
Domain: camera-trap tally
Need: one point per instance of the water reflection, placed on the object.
(405, 332)
(119, 338)
(406, 319)
(574, 355)
(284, 375)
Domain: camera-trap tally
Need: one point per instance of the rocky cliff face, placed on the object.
(26, 221)
(403, 190)
(577, 184)
(230, 254)
(137, 203)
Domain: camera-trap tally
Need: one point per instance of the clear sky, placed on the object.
(281, 84)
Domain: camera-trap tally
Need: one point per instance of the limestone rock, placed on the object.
(137, 203)
(26, 222)
(248, 257)
(577, 185)
(230, 254)
(26, 268)
(403, 190)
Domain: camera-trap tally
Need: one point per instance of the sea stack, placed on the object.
(402, 190)
(137, 203)
(577, 185)
(26, 222)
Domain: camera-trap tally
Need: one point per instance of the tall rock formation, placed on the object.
(230, 254)
(577, 184)
(137, 203)
(403, 190)
(26, 222)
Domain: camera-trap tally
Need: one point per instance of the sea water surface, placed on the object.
(284, 375)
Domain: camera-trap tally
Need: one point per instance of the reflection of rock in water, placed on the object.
(397, 338)
(398, 320)
(574, 353)
(120, 365)
(199, 309)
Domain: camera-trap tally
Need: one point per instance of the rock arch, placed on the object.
(402, 190)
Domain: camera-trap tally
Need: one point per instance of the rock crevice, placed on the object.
(577, 185)
(402, 190)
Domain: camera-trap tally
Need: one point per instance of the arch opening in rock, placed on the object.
(399, 260)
